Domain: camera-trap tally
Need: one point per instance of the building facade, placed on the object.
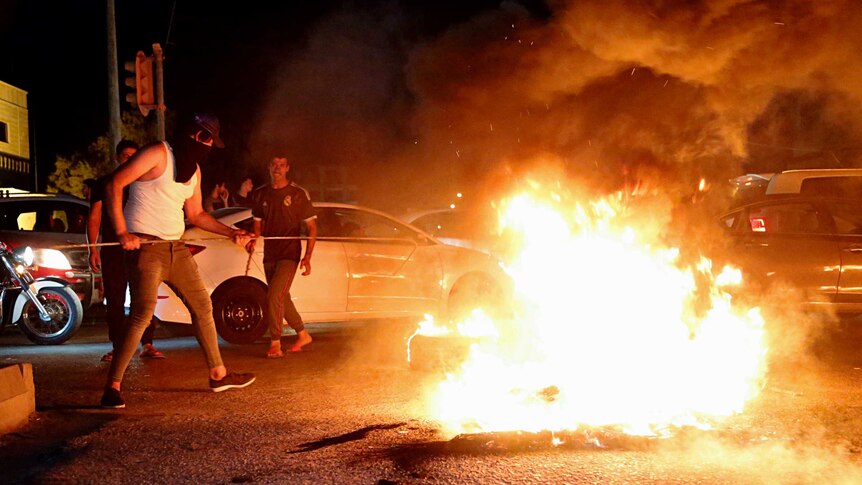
(16, 169)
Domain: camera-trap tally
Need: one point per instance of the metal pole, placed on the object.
(160, 91)
(115, 124)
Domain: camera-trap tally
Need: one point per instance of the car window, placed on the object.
(44, 216)
(847, 217)
(730, 221)
(792, 218)
(246, 224)
(341, 222)
(449, 224)
(832, 187)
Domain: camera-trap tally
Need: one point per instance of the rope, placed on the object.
(220, 238)
(250, 254)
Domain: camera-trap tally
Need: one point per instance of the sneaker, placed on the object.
(150, 352)
(112, 399)
(231, 381)
(108, 357)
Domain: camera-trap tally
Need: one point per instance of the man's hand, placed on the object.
(95, 259)
(305, 264)
(252, 243)
(240, 236)
(129, 241)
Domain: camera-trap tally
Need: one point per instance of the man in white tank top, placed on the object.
(164, 185)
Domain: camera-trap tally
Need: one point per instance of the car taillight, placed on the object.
(757, 224)
(195, 248)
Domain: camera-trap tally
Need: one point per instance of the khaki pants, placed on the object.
(171, 263)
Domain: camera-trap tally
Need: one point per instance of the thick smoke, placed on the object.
(676, 89)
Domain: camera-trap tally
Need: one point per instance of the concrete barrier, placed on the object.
(17, 396)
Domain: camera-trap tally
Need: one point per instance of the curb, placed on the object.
(17, 396)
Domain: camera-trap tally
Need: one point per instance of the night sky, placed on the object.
(220, 57)
(419, 99)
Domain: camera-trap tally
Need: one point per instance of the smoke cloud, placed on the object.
(680, 90)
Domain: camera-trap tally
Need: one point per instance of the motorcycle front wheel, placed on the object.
(66, 314)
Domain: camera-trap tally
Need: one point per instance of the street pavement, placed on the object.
(350, 410)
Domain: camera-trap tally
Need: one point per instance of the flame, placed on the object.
(609, 330)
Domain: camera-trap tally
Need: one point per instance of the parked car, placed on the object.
(805, 230)
(44, 221)
(366, 265)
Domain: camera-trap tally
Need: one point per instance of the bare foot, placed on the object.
(303, 338)
(274, 351)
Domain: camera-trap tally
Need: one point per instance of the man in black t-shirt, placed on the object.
(109, 260)
(280, 209)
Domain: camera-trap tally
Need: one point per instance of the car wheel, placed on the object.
(474, 291)
(238, 310)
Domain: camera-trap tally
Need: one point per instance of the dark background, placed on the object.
(218, 57)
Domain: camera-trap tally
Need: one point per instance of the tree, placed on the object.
(98, 159)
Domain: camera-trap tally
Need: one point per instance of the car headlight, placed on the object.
(51, 258)
(23, 255)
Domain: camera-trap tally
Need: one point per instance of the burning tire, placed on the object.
(474, 291)
(238, 310)
(66, 314)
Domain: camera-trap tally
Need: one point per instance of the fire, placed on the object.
(609, 330)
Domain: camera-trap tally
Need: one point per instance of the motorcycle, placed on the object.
(46, 310)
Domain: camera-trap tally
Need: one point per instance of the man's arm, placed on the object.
(196, 214)
(309, 245)
(146, 164)
(257, 229)
(94, 222)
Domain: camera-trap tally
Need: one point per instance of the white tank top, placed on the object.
(155, 207)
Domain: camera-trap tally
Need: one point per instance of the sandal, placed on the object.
(150, 352)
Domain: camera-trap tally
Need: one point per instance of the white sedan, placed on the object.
(366, 264)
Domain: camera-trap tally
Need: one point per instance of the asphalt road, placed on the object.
(349, 410)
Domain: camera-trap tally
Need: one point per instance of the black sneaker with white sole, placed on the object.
(232, 380)
(112, 399)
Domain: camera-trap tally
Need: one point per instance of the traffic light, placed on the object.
(143, 83)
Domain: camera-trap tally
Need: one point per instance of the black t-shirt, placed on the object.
(282, 211)
(109, 234)
(246, 201)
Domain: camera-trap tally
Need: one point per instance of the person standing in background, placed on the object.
(218, 197)
(109, 261)
(243, 196)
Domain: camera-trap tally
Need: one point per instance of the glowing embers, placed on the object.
(610, 330)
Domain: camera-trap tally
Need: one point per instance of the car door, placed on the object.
(392, 268)
(847, 217)
(790, 241)
(324, 291)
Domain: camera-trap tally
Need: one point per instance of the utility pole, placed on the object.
(160, 91)
(114, 121)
